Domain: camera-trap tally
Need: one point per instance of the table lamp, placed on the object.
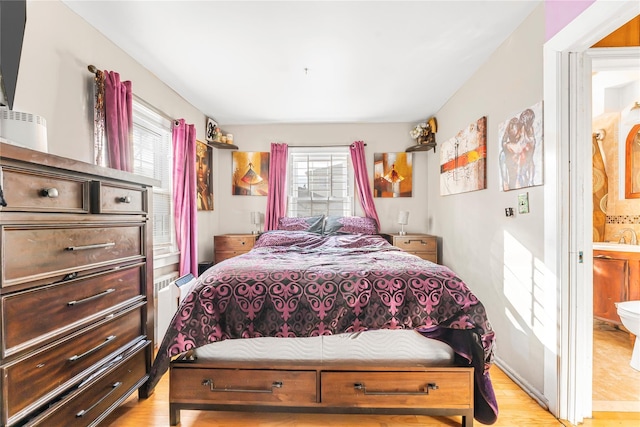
(403, 219)
(255, 220)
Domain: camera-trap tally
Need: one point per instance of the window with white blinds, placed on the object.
(320, 181)
(152, 157)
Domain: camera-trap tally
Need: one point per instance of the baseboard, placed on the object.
(522, 383)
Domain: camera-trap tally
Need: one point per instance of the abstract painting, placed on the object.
(463, 160)
(520, 139)
(250, 173)
(393, 174)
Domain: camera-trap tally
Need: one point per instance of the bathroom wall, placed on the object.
(613, 93)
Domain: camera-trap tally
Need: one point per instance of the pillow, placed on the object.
(350, 225)
(312, 224)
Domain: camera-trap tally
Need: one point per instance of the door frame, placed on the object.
(568, 247)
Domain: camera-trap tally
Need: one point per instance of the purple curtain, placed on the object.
(362, 180)
(118, 112)
(277, 192)
(184, 195)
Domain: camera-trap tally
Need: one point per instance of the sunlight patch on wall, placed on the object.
(532, 304)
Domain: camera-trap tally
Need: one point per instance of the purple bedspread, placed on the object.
(300, 284)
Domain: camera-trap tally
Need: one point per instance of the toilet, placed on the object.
(629, 312)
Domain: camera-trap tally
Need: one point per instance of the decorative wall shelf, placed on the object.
(421, 147)
(223, 145)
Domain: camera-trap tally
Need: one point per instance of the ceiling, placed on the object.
(255, 62)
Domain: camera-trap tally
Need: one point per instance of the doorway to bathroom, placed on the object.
(615, 88)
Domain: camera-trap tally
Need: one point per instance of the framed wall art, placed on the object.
(520, 138)
(204, 176)
(463, 160)
(393, 174)
(250, 173)
(212, 130)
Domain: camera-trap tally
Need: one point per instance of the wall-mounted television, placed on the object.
(13, 18)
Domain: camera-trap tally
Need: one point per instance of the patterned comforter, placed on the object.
(301, 284)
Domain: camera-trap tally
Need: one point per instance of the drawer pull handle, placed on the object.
(88, 352)
(52, 193)
(429, 386)
(85, 247)
(114, 387)
(124, 199)
(603, 256)
(422, 242)
(212, 387)
(92, 297)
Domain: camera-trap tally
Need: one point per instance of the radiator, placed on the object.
(166, 303)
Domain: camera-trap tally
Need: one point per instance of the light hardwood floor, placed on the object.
(517, 409)
(616, 385)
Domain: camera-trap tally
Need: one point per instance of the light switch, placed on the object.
(523, 203)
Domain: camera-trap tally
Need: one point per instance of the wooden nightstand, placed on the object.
(423, 245)
(227, 246)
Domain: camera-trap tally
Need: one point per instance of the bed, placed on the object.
(235, 342)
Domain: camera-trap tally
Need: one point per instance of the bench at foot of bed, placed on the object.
(337, 387)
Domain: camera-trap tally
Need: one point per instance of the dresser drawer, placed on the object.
(415, 243)
(119, 199)
(234, 242)
(243, 386)
(32, 253)
(65, 306)
(224, 255)
(86, 405)
(441, 388)
(429, 256)
(30, 191)
(30, 379)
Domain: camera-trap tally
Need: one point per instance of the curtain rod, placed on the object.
(321, 146)
(93, 69)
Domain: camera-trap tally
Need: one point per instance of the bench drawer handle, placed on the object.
(212, 387)
(429, 386)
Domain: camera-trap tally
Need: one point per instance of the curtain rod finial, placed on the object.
(92, 68)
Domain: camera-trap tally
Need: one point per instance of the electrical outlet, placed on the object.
(523, 203)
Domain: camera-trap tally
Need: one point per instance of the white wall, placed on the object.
(500, 258)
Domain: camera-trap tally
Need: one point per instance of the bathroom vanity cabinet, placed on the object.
(616, 277)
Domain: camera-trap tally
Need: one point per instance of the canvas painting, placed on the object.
(520, 139)
(393, 174)
(204, 176)
(463, 160)
(250, 173)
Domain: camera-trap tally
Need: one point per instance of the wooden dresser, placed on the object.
(227, 246)
(423, 245)
(75, 288)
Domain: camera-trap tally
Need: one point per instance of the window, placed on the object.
(320, 182)
(152, 157)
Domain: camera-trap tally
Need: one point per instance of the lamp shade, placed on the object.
(403, 217)
(255, 218)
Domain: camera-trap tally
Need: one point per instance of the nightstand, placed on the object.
(423, 245)
(227, 246)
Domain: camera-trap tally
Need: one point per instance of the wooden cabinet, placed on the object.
(75, 243)
(423, 245)
(227, 246)
(321, 387)
(616, 278)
